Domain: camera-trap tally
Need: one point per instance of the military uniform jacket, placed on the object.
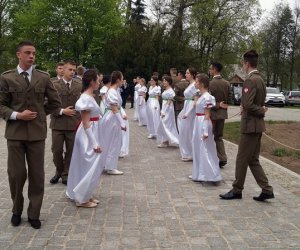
(253, 100)
(220, 89)
(179, 93)
(16, 95)
(68, 98)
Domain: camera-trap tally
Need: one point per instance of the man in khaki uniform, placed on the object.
(252, 126)
(22, 104)
(59, 72)
(179, 89)
(64, 120)
(220, 89)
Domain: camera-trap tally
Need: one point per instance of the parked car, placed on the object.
(237, 95)
(274, 97)
(292, 97)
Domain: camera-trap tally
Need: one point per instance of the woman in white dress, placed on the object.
(86, 163)
(103, 91)
(186, 117)
(136, 95)
(125, 136)
(141, 102)
(205, 159)
(167, 132)
(153, 108)
(111, 126)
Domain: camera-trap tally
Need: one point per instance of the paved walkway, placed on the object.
(155, 206)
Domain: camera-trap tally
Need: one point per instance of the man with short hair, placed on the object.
(59, 71)
(252, 127)
(23, 93)
(220, 89)
(64, 121)
(179, 89)
(173, 74)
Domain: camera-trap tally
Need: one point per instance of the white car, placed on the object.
(274, 97)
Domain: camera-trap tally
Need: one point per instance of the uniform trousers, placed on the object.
(218, 127)
(248, 155)
(33, 152)
(62, 162)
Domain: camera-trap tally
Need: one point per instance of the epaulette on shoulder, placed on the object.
(44, 72)
(8, 71)
(77, 80)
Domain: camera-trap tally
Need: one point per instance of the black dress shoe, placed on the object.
(15, 220)
(231, 196)
(263, 197)
(222, 163)
(36, 224)
(54, 179)
(64, 182)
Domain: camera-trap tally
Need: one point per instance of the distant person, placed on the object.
(131, 93)
(141, 104)
(205, 159)
(106, 85)
(186, 117)
(124, 93)
(22, 105)
(167, 133)
(59, 71)
(220, 89)
(179, 89)
(252, 127)
(173, 74)
(80, 72)
(64, 121)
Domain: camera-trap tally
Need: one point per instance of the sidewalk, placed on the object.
(155, 206)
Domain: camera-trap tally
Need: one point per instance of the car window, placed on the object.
(273, 91)
(295, 93)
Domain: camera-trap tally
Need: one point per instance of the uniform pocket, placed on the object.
(40, 94)
(17, 92)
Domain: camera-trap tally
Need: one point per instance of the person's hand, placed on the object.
(69, 111)
(204, 137)
(125, 117)
(97, 150)
(162, 115)
(184, 116)
(265, 109)
(223, 105)
(26, 115)
(124, 128)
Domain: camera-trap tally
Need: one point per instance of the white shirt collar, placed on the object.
(217, 76)
(29, 71)
(252, 71)
(65, 81)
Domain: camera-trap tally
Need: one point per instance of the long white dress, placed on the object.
(141, 102)
(103, 92)
(205, 159)
(153, 110)
(125, 137)
(86, 166)
(111, 133)
(167, 130)
(185, 126)
(136, 95)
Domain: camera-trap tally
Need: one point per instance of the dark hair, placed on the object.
(181, 72)
(155, 78)
(59, 64)
(204, 79)
(155, 74)
(193, 72)
(88, 76)
(218, 66)
(251, 57)
(168, 79)
(106, 79)
(24, 43)
(69, 61)
(115, 76)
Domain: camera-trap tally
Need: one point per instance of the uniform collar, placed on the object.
(29, 71)
(65, 81)
(252, 71)
(217, 76)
